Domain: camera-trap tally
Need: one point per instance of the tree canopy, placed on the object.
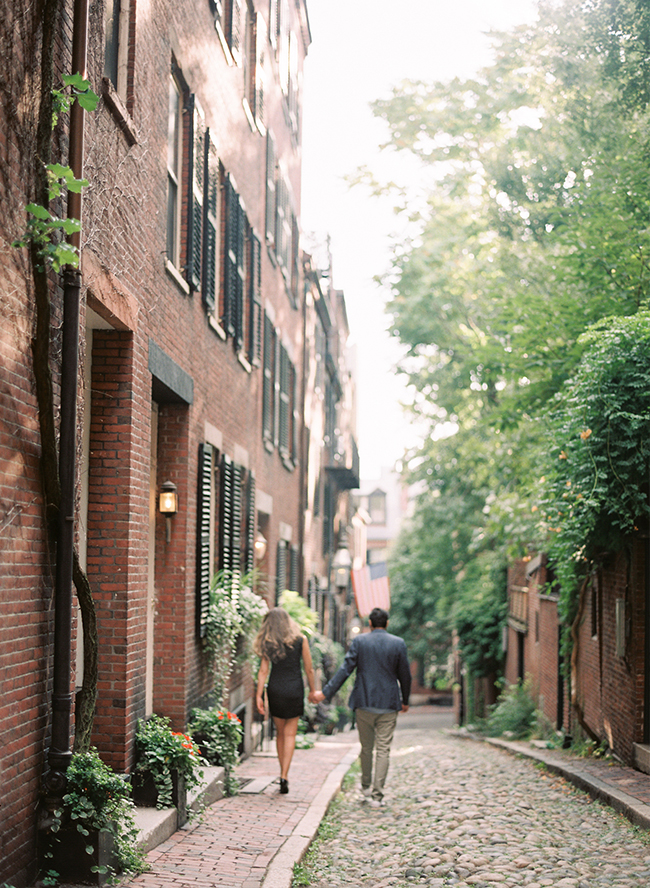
(531, 226)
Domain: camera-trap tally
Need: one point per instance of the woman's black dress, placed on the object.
(285, 689)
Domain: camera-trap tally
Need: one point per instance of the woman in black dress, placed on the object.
(282, 647)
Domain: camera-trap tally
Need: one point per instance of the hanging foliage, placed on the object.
(596, 493)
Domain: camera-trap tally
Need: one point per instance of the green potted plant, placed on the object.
(93, 836)
(219, 734)
(235, 612)
(168, 764)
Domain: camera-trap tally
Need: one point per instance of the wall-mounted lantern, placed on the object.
(342, 562)
(260, 546)
(168, 504)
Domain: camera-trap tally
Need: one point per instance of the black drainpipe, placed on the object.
(60, 753)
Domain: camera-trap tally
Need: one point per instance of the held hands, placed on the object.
(316, 697)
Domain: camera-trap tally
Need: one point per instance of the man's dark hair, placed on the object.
(378, 618)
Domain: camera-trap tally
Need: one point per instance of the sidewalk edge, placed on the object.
(279, 873)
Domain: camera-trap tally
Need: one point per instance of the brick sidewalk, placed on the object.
(235, 840)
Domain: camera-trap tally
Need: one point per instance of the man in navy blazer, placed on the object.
(381, 689)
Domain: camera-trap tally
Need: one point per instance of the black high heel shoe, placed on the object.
(284, 785)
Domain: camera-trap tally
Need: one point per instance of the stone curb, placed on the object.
(280, 870)
(636, 811)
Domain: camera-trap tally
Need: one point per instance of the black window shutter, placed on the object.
(271, 195)
(268, 385)
(273, 23)
(280, 570)
(283, 402)
(328, 519)
(225, 514)
(279, 235)
(210, 227)
(237, 24)
(236, 523)
(231, 277)
(297, 422)
(255, 301)
(197, 161)
(240, 241)
(203, 567)
(293, 568)
(276, 388)
(251, 524)
(295, 263)
(260, 70)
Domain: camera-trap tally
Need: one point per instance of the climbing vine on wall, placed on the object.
(596, 493)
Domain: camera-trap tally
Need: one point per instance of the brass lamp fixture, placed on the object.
(168, 505)
(342, 564)
(260, 546)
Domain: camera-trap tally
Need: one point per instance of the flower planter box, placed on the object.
(209, 754)
(145, 794)
(72, 862)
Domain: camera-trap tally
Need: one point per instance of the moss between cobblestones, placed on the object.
(302, 871)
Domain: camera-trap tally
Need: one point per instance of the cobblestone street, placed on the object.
(464, 813)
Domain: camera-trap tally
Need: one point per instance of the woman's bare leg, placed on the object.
(286, 729)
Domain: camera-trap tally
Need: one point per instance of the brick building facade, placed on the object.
(608, 669)
(199, 350)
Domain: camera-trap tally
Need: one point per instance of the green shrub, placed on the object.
(98, 799)
(513, 713)
(220, 734)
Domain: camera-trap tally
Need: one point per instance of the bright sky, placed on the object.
(360, 50)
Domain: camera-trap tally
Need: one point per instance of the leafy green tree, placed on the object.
(598, 453)
(534, 229)
(530, 226)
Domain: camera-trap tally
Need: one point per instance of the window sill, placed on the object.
(216, 326)
(224, 44)
(249, 115)
(287, 462)
(116, 106)
(176, 276)
(241, 357)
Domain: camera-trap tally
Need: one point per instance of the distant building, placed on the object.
(385, 500)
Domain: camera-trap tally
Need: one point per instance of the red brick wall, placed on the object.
(540, 639)
(117, 542)
(175, 670)
(124, 243)
(608, 688)
(26, 552)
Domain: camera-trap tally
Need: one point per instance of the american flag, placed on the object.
(371, 588)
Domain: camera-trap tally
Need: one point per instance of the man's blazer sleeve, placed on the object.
(344, 671)
(404, 674)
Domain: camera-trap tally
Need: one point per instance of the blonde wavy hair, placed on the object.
(277, 632)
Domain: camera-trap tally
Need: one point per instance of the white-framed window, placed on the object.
(254, 62)
(229, 21)
(174, 167)
(116, 46)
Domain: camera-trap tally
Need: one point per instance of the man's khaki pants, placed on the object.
(375, 732)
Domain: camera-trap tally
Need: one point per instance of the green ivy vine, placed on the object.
(45, 230)
(235, 612)
(596, 493)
